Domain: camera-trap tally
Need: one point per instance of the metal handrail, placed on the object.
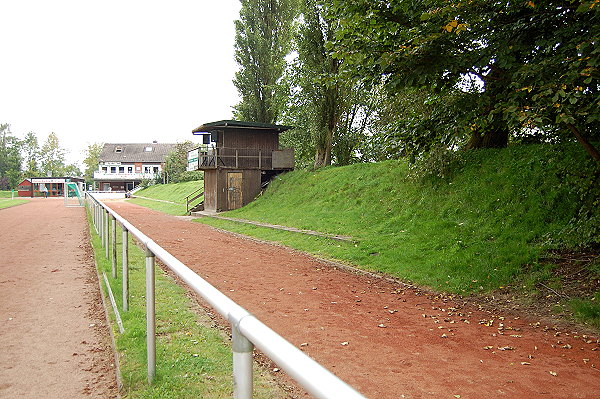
(247, 330)
(196, 194)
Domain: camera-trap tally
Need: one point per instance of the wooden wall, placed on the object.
(244, 138)
(216, 188)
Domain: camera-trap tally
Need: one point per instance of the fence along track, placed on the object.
(247, 331)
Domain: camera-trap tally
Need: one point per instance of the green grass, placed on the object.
(7, 193)
(168, 192)
(171, 209)
(193, 357)
(587, 310)
(171, 192)
(470, 232)
(7, 203)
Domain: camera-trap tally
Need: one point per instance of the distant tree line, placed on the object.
(365, 80)
(22, 158)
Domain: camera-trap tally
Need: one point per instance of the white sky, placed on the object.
(115, 70)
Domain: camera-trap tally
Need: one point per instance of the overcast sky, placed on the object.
(115, 70)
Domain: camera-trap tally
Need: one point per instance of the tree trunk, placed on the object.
(493, 139)
(323, 151)
(591, 150)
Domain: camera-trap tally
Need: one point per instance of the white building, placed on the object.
(121, 167)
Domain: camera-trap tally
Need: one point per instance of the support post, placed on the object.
(150, 316)
(106, 233)
(125, 271)
(114, 246)
(242, 364)
(101, 225)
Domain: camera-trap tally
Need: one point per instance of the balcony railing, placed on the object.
(241, 158)
(122, 176)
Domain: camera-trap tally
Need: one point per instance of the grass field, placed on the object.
(7, 203)
(193, 357)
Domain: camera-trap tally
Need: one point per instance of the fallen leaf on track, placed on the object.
(506, 348)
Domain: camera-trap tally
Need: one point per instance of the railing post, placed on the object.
(106, 233)
(236, 158)
(150, 316)
(93, 210)
(125, 271)
(259, 159)
(114, 246)
(242, 363)
(100, 226)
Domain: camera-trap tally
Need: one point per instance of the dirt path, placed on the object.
(53, 335)
(386, 339)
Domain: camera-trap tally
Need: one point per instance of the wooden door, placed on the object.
(234, 190)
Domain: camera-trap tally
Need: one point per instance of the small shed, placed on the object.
(238, 158)
(54, 186)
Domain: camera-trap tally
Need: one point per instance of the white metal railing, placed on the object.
(247, 331)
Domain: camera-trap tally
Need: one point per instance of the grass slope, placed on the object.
(175, 192)
(482, 226)
(472, 231)
(171, 192)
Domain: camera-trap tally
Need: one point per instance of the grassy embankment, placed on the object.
(174, 193)
(193, 357)
(489, 223)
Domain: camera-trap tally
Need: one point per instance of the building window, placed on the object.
(147, 169)
(104, 169)
(148, 149)
(118, 149)
(155, 169)
(113, 169)
(121, 169)
(130, 169)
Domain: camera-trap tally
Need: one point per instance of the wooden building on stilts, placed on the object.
(238, 159)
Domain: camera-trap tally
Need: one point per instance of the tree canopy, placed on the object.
(262, 41)
(10, 158)
(518, 65)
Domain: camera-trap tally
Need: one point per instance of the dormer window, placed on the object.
(148, 149)
(118, 150)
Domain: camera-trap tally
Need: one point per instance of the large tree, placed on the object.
(52, 157)
(535, 62)
(90, 162)
(30, 150)
(262, 42)
(176, 163)
(10, 158)
(320, 86)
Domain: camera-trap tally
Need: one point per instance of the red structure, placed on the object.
(55, 186)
